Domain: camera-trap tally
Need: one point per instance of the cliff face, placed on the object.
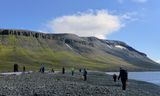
(89, 52)
(24, 33)
(38, 35)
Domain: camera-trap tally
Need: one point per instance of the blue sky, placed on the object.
(135, 22)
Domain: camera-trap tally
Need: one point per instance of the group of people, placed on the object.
(123, 74)
(42, 70)
(80, 70)
(15, 68)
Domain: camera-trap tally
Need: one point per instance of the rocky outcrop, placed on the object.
(60, 37)
(25, 33)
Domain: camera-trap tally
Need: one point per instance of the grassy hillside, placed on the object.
(31, 49)
(31, 52)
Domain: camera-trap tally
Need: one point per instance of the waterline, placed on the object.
(152, 77)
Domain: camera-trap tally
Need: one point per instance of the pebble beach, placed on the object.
(57, 84)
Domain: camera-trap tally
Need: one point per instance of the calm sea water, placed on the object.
(152, 77)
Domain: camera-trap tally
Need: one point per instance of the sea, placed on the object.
(152, 77)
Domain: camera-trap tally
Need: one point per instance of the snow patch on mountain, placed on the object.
(120, 47)
(69, 46)
(109, 46)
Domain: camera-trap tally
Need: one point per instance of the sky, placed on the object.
(135, 22)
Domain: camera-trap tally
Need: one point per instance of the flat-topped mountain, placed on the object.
(30, 49)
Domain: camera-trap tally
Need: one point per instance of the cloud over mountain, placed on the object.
(99, 23)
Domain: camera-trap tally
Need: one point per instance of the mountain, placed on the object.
(30, 49)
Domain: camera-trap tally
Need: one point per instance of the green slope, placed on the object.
(31, 52)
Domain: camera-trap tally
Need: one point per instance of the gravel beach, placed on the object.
(49, 84)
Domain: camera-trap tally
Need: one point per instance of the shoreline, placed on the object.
(142, 76)
(57, 84)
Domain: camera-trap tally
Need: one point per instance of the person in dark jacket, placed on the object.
(52, 70)
(42, 69)
(124, 77)
(80, 70)
(114, 77)
(15, 68)
(24, 69)
(72, 70)
(63, 70)
(85, 74)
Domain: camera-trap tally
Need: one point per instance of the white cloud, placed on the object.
(98, 23)
(140, 1)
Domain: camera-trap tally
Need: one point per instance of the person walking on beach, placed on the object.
(114, 77)
(72, 71)
(80, 70)
(63, 70)
(24, 69)
(42, 69)
(15, 68)
(85, 74)
(124, 77)
(52, 70)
